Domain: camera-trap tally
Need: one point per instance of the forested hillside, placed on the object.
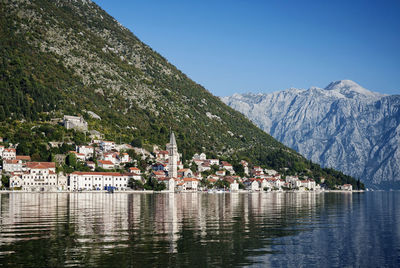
(71, 57)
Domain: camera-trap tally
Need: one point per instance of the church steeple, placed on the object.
(173, 157)
(172, 141)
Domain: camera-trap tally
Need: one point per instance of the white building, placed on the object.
(213, 162)
(191, 183)
(293, 181)
(40, 176)
(234, 186)
(79, 156)
(227, 166)
(86, 150)
(107, 146)
(105, 164)
(9, 154)
(98, 180)
(255, 186)
(347, 187)
(204, 167)
(12, 165)
(75, 122)
(124, 158)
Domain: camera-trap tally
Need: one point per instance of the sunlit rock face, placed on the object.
(343, 126)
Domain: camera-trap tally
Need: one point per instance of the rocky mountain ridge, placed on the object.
(343, 126)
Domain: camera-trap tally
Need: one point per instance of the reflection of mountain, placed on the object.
(278, 229)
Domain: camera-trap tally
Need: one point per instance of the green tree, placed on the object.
(5, 181)
(135, 184)
(71, 160)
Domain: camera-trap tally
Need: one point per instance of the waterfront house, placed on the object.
(98, 180)
(191, 183)
(234, 186)
(346, 187)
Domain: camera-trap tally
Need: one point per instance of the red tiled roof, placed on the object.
(23, 157)
(12, 161)
(98, 173)
(134, 168)
(106, 162)
(190, 179)
(40, 165)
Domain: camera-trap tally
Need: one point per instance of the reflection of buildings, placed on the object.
(101, 222)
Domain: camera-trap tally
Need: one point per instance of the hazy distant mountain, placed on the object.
(343, 126)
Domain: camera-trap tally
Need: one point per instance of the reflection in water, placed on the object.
(277, 229)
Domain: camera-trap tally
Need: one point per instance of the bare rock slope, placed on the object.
(343, 126)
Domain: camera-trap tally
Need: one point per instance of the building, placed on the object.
(98, 180)
(9, 154)
(79, 156)
(75, 122)
(23, 158)
(124, 158)
(173, 158)
(86, 150)
(227, 166)
(39, 176)
(105, 164)
(91, 165)
(191, 183)
(185, 172)
(107, 146)
(255, 186)
(234, 186)
(346, 187)
(135, 170)
(12, 165)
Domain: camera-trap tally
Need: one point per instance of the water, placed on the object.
(201, 230)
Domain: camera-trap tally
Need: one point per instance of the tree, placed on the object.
(2, 114)
(135, 184)
(137, 143)
(71, 160)
(5, 181)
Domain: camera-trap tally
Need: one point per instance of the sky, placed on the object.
(242, 46)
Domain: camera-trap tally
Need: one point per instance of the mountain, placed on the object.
(343, 126)
(70, 57)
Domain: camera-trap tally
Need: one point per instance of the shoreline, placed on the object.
(180, 192)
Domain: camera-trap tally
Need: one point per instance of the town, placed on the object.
(110, 167)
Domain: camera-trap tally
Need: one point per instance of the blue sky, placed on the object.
(263, 46)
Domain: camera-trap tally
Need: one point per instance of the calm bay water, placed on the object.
(195, 229)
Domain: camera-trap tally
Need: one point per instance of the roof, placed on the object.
(183, 170)
(172, 140)
(40, 165)
(98, 173)
(9, 150)
(23, 157)
(190, 179)
(12, 161)
(106, 162)
(134, 168)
